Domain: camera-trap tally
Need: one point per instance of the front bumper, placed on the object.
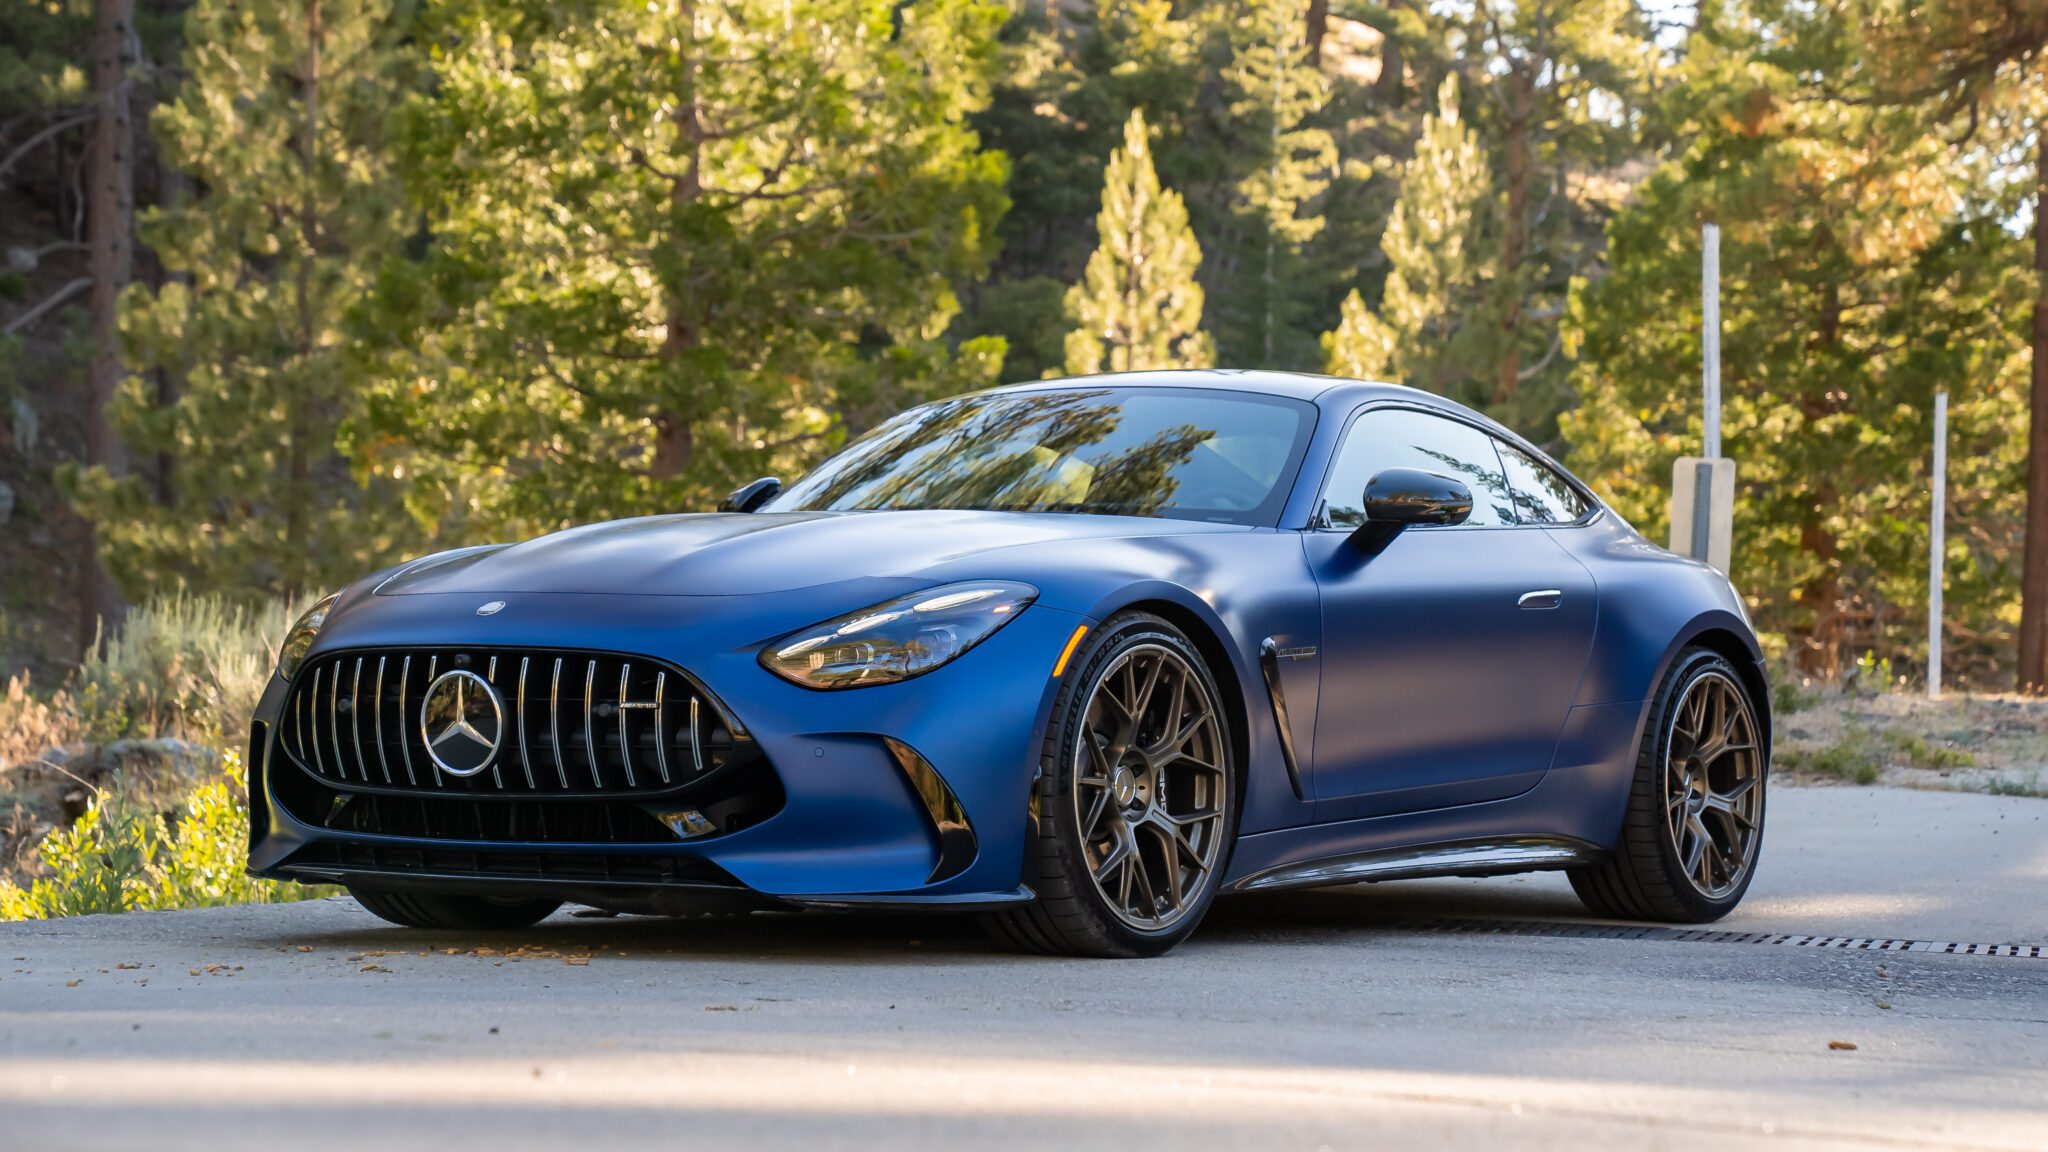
(856, 825)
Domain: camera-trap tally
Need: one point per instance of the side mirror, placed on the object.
(750, 497)
(1400, 497)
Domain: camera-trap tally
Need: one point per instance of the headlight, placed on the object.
(299, 640)
(897, 639)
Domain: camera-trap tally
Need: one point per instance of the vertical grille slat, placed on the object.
(660, 731)
(625, 742)
(334, 721)
(696, 739)
(433, 663)
(491, 678)
(377, 724)
(589, 737)
(319, 762)
(404, 729)
(355, 719)
(345, 700)
(525, 761)
(555, 723)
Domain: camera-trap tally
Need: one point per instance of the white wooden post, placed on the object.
(1934, 552)
(1710, 336)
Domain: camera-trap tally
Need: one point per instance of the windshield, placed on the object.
(1188, 454)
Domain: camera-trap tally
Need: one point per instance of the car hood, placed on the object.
(731, 554)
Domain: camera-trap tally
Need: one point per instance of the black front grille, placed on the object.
(590, 867)
(497, 821)
(571, 723)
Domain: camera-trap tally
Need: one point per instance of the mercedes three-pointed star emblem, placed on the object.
(462, 720)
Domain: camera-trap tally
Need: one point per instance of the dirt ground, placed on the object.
(1996, 744)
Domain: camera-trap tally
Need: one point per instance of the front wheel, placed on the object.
(462, 913)
(1695, 819)
(1136, 806)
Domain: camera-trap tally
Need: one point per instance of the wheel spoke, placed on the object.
(1151, 785)
(1712, 798)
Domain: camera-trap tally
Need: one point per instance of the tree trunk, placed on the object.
(110, 203)
(299, 402)
(674, 443)
(2033, 655)
(1387, 90)
(1318, 26)
(1515, 239)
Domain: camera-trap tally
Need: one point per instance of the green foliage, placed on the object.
(281, 123)
(1138, 305)
(122, 857)
(1432, 243)
(1857, 280)
(1273, 93)
(673, 246)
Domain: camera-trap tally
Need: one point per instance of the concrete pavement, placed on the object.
(1300, 1020)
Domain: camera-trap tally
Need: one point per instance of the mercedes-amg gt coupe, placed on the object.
(1076, 655)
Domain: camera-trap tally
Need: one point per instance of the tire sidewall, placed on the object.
(1694, 666)
(1118, 635)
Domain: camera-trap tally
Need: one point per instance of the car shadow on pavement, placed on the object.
(1354, 912)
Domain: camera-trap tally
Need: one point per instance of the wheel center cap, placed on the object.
(1130, 788)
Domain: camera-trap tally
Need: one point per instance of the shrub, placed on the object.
(120, 856)
(182, 666)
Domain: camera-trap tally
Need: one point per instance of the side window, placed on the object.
(1541, 495)
(1405, 438)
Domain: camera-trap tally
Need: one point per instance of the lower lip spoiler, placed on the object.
(679, 894)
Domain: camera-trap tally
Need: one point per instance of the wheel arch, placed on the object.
(1208, 641)
(1747, 659)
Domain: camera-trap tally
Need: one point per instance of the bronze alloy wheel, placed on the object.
(1136, 803)
(1713, 804)
(1694, 824)
(1150, 790)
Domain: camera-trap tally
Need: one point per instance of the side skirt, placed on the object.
(1464, 858)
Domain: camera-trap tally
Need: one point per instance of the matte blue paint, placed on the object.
(1434, 710)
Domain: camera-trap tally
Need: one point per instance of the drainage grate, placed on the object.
(1709, 936)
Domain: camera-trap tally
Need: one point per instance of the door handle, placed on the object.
(1542, 598)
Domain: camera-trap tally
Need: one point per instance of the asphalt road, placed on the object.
(1303, 1020)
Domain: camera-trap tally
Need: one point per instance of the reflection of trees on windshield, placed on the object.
(1489, 486)
(1021, 452)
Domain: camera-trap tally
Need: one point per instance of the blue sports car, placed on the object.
(1075, 655)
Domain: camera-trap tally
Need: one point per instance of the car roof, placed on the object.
(1329, 392)
(1337, 394)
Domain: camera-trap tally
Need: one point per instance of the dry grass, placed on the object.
(1991, 743)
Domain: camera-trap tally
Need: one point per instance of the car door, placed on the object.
(1450, 656)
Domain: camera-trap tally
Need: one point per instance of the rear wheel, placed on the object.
(1695, 819)
(1135, 809)
(440, 910)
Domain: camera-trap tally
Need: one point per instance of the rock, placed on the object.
(6, 502)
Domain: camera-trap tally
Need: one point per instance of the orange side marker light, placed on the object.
(1067, 653)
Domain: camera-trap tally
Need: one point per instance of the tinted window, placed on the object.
(1404, 438)
(1541, 495)
(1190, 454)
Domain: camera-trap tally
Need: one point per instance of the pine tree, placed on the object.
(1432, 245)
(1360, 347)
(1543, 74)
(1857, 279)
(1274, 91)
(1138, 305)
(675, 246)
(281, 123)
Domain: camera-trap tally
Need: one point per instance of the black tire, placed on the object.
(461, 913)
(1646, 878)
(1072, 915)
